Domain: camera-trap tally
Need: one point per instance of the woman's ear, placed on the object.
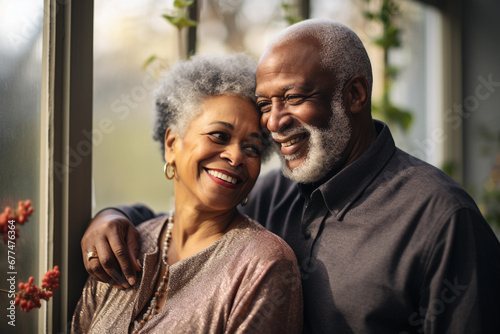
(170, 139)
(358, 93)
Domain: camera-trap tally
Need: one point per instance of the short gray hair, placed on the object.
(342, 52)
(189, 83)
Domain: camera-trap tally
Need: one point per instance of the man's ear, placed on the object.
(170, 139)
(357, 94)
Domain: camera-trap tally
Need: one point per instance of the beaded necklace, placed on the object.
(153, 308)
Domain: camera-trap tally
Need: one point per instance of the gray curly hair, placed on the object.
(189, 83)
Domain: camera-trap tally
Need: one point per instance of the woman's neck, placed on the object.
(195, 230)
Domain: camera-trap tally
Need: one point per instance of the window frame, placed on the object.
(66, 166)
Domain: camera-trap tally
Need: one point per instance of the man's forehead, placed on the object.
(278, 87)
(291, 52)
(281, 77)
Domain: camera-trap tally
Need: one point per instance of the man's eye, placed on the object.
(219, 136)
(294, 99)
(264, 106)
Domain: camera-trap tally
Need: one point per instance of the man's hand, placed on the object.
(116, 242)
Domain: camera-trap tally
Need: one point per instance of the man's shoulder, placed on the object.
(422, 181)
(271, 182)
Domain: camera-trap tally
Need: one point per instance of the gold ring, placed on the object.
(91, 255)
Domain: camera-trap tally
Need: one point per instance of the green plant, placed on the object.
(490, 198)
(291, 15)
(180, 19)
(386, 14)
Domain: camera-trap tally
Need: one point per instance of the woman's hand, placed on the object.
(116, 241)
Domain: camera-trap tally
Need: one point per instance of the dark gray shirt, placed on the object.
(390, 244)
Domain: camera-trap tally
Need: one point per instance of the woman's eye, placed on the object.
(219, 136)
(252, 151)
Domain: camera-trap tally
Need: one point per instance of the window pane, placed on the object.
(20, 103)
(127, 163)
(228, 26)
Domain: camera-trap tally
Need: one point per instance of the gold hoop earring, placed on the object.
(244, 202)
(169, 171)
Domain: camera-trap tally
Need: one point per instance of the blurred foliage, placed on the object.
(291, 13)
(179, 18)
(490, 199)
(450, 168)
(386, 13)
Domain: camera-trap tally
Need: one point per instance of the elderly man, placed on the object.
(385, 242)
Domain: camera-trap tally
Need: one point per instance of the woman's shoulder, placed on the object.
(149, 232)
(152, 225)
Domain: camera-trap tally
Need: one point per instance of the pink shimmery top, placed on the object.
(248, 281)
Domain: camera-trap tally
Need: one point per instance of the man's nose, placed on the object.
(278, 118)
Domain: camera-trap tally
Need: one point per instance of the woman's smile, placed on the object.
(223, 177)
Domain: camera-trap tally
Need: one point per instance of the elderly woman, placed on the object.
(206, 268)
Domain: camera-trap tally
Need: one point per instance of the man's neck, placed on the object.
(363, 137)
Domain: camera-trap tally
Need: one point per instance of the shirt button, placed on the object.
(307, 234)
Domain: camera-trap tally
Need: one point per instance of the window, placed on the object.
(20, 137)
(45, 99)
(127, 163)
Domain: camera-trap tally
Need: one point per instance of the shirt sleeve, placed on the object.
(461, 288)
(137, 213)
(268, 301)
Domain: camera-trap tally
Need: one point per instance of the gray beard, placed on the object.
(326, 146)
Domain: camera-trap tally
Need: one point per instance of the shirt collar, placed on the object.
(340, 191)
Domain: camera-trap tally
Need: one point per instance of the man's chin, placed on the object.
(291, 170)
(304, 170)
(293, 163)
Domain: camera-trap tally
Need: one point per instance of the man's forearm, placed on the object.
(137, 213)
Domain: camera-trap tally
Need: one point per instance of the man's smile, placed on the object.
(291, 144)
(291, 141)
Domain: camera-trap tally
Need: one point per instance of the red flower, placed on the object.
(4, 218)
(24, 210)
(29, 294)
(50, 280)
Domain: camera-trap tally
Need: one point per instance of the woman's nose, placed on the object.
(233, 154)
